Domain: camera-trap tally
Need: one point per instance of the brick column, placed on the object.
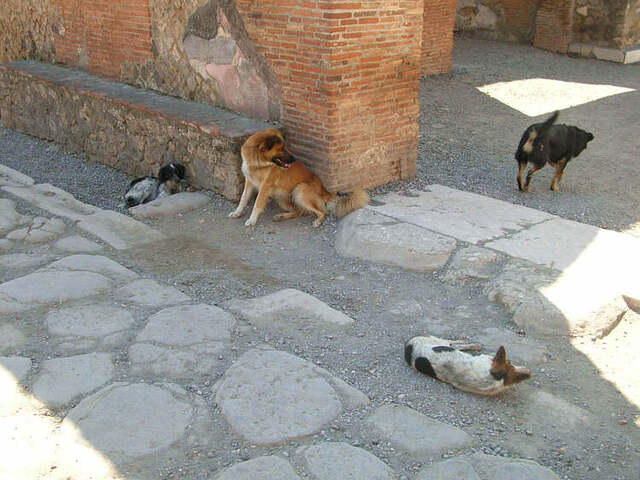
(349, 72)
(554, 23)
(437, 36)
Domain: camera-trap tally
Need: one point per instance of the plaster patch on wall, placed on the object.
(225, 61)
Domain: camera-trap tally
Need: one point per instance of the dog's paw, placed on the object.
(251, 222)
(235, 214)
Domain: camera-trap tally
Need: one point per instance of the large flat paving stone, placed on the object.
(9, 217)
(532, 295)
(118, 230)
(486, 467)
(23, 260)
(51, 286)
(76, 244)
(151, 293)
(415, 433)
(378, 238)
(271, 397)
(172, 205)
(466, 216)
(94, 263)
(341, 461)
(53, 200)
(13, 370)
(89, 327)
(261, 468)
(12, 178)
(11, 337)
(63, 379)
(181, 341)
(129, 421)
(289, 308)
(472, 263)
(41, 230)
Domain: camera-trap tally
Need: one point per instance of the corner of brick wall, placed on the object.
(554, 23)
(437, 36)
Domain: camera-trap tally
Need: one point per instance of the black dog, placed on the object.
(545, 142)
(170, 180)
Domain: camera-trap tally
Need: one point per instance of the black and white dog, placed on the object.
(170, 180)
(480, 374)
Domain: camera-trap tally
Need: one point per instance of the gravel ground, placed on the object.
(467, 142)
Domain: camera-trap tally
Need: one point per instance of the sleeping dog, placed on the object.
(444, 360)
(170, 180)
(545, 142)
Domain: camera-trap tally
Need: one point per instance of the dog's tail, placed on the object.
(343, 205)
(547, 123)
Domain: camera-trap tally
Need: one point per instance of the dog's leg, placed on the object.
(558, 175)
(291, 211)
(247, 193)
(306, 198)
(522, 166)
(264, 193)
(532, 170)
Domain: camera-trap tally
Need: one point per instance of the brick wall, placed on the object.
(102, 35)
(554, 23)
(437, 36)
(349, 73)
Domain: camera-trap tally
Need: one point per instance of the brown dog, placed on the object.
(271, 170)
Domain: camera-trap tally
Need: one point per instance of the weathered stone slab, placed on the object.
(532, 295)
(77, 243)
(160, 416)
(94, 263)
(471, 263)
(486, 467)
(173, 204)
(92, 322)
(62, 379)
(377, 238)
(415, 433)
(261, 468)
(53, 286)
(13, 370)
(181, 341)
(272, 397)
(462, 215)
(41, 230)
(519, 348)
(9, 217)
(598, 266)
(289, 307)
(10, 337)
(23, 260)
(118, 230)
(454, 468)
(12, 178)
(341, 461)
(53, 200)
(151, 293)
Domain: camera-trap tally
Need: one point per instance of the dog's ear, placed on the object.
(269, 142)
(516, 375)
(500, 357)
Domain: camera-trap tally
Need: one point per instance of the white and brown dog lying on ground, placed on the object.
(445, 360)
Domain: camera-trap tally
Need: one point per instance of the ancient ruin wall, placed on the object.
(607, 23)
(26, 29)
(508, 20)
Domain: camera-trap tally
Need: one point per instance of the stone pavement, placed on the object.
(77, 414)
(555, 276)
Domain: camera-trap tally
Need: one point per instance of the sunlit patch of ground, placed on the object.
(537, 96)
